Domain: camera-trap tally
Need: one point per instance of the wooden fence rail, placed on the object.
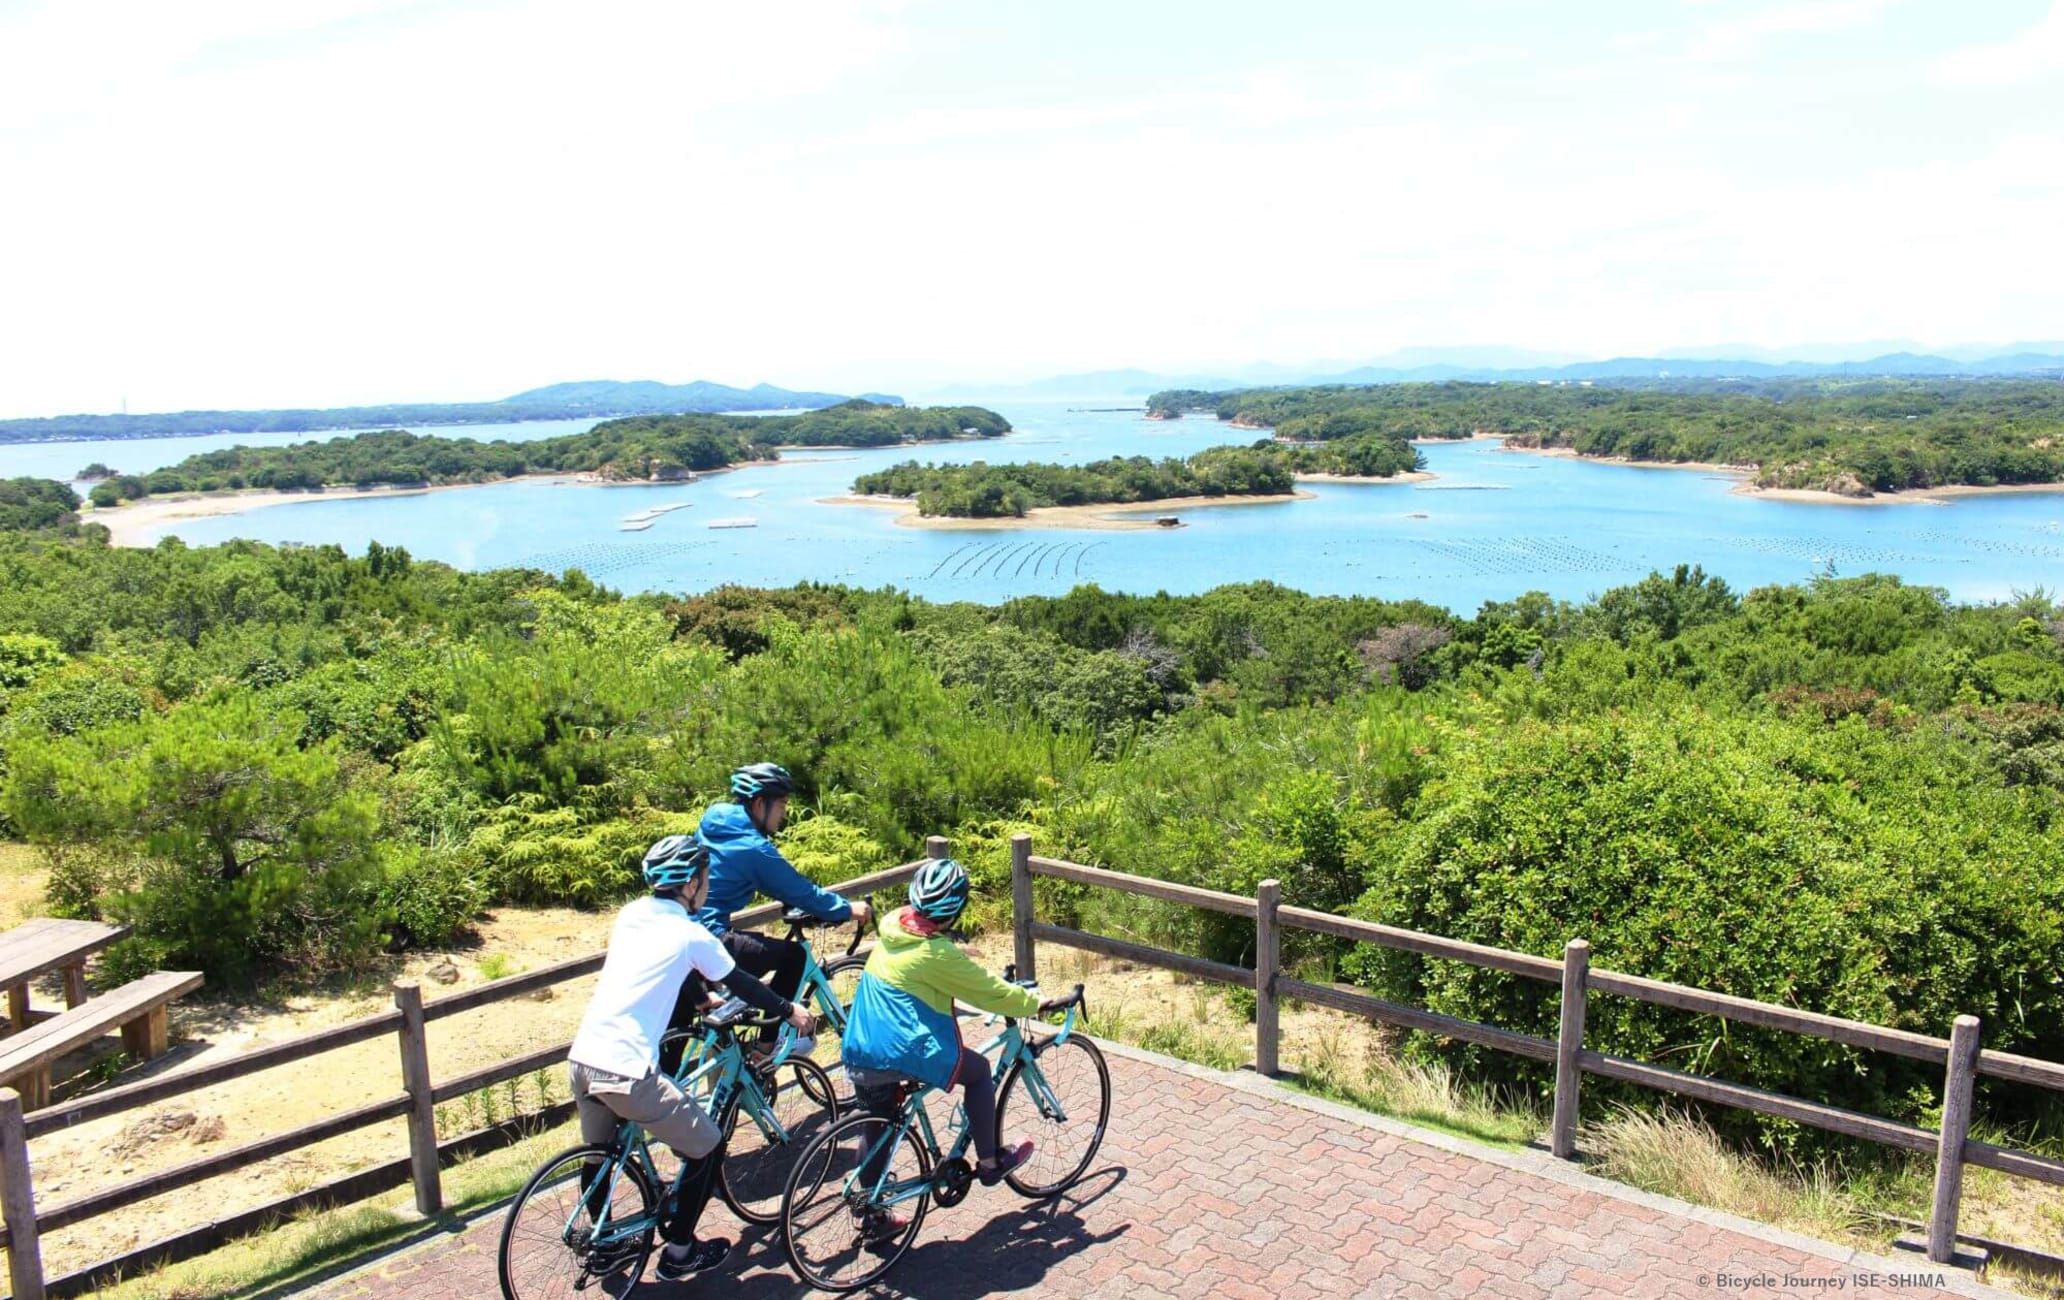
(1960, 1055)
(22, 1223)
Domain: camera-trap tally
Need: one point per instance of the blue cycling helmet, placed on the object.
(750, 782)
(939, 890)
(675, 861)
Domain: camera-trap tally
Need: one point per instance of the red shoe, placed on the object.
(1005, 1162)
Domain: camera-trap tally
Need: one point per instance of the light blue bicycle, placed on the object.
(868, 1167)
(588, 1216)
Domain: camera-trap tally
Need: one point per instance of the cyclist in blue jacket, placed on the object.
(744, 863)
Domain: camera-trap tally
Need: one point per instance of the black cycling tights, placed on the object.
(687, 1205)
(977, 1093)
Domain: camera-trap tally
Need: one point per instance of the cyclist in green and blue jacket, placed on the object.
(901, 1025)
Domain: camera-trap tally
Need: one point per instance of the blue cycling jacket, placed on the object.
(744, 862)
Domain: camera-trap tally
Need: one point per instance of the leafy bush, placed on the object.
(241, 847)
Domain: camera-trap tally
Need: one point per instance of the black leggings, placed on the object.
(777, 961)
(682, 1211)
(678, 1226)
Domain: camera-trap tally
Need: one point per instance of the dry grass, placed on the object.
(22, 873)
(1668, 1152)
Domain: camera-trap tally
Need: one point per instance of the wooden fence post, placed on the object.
(1569, 1042)
(18, 1202)
(422, 1115)
(938, 846)
(1956, 1127)
(1268, 958)
(1021, 907)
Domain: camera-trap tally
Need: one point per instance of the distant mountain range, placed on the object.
(592, 398)
(2037, 360)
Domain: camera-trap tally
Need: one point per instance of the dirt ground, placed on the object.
(206, 1029)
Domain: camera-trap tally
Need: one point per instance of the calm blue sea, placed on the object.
(1494, 524)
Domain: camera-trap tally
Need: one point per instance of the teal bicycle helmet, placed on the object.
(939, 890)
(675, 861)
(750, 782)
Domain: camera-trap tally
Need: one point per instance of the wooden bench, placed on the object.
(137, 1008)
(35, 948)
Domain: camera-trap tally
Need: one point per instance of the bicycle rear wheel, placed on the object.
(801, 1103)
(1065, 1102)
(826, 1209)
(560, 1237)
(844, 977)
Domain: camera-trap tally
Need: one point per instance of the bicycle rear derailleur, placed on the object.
(950, 1184)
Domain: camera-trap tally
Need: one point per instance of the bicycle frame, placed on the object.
(729, 1086)
(1012, 1040)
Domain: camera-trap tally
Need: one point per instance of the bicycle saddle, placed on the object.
(797, 916)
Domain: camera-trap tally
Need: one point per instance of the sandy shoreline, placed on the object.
(1935, 496)
(1408, 476)
(128, 524)
(1109, 517)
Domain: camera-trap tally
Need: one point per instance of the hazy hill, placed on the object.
(601, 397)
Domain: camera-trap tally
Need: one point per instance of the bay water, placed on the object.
(1491, 525)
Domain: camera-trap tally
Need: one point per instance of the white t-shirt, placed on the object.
(651, 950)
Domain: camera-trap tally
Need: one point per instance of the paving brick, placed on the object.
(1203, 1190)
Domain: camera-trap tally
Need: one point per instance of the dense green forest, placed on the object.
(640, 447)
(1849, 436)
(984, 491)
(1844, 796)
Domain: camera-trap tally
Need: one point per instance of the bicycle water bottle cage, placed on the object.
(727, 1015)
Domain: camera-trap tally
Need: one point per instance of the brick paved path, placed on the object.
(1204, 1189)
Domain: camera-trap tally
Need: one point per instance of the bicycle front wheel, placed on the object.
(1062, 1101)
(800, 1104)
(582, 1217)
(844, 977)
(845, 1190)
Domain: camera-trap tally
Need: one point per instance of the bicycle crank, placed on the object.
(950, 1184)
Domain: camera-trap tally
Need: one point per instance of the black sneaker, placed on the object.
(615, 1257)
(692, 1258)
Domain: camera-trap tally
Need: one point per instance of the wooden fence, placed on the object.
(1960, 1054)
(25, 1222)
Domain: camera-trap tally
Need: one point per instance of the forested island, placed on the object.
(646, 447)
(984, 491)
(1850, 437)
(554, 402)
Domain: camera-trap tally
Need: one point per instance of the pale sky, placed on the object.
(238, 203)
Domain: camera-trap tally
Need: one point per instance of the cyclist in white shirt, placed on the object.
(652, 949)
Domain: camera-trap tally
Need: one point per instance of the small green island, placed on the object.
(1851, 437)
(1265, 469)
(646, 448)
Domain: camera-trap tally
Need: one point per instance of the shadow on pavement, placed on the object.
(1010, 1252)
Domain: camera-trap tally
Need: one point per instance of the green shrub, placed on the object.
(431, 896)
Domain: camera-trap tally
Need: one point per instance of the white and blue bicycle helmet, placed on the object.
(755, 779)
(939, 890)
(675, 861)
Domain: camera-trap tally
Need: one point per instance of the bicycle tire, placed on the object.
(536, 1284)
(753, 1177)
(840, 1147)
(1022, 1178)
(843, 976)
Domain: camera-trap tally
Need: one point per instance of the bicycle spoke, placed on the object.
(1061, 1099)
(833, 1217)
